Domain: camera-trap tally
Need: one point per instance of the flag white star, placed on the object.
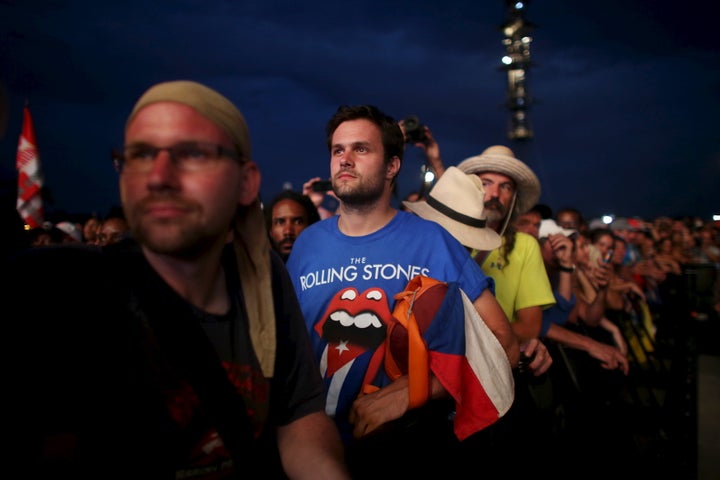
(342, 347)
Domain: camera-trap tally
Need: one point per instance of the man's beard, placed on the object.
(174, 240)
(284, 247)
(494, 211)
(366, 192)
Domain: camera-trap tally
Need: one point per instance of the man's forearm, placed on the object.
(310, 448)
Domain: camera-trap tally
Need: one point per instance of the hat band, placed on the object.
(455, 215)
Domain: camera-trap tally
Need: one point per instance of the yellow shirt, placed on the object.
(523, 281)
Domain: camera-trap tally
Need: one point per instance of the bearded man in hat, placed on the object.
(511, 189)
(457, 202)
(189, 358)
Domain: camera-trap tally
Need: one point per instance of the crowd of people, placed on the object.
(582, 287)
(253, 338)
(94, 230)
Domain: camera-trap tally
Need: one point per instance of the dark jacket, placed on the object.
(97, 337)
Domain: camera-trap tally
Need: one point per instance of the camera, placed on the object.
(525, 361)
(322, 186)
(414, 130)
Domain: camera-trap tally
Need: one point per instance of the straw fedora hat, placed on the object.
(457, 202)
(500, 159)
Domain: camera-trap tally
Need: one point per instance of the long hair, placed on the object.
(508, 243)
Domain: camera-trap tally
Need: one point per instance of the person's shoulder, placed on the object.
(429, 232)
(402, 215)
(314, 234)
(524, 237)
(321, 227)
(314, 238)
(526, 240)
(417, 223)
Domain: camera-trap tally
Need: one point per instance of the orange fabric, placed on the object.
(372, 370)
(418, 356)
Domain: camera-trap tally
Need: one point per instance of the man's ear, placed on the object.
(250, 188)
(393, 168)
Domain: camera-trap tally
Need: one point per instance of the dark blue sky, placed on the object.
(627, 93)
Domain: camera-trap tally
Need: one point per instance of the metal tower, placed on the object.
(516, 62)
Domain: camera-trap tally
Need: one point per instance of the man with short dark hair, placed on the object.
(347, 269)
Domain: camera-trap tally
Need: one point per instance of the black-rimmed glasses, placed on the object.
(185, 156)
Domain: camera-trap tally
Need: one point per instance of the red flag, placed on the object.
(30, 178)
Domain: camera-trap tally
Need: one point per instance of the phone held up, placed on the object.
(608, 256)
(322, 186)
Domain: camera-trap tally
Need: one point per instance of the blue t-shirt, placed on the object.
(346, 287)
(558, 313)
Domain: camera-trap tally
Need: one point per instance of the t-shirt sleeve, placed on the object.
(534, 288)
(297, 389)
(470, 276)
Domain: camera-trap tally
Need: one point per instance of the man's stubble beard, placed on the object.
(365, 193)
(174, 240)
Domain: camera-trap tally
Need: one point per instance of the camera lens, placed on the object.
(414, 130)
(411, 123)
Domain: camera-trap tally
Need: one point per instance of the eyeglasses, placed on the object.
(185, 156)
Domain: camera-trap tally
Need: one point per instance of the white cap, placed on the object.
(549, 227)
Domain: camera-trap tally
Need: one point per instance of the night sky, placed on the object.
(626, 93)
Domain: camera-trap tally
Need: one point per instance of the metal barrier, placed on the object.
(700, 284)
